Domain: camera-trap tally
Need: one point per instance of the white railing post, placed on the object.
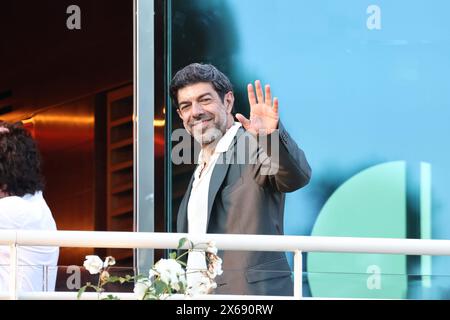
(45, 279)
(13, 272)
(298, 275)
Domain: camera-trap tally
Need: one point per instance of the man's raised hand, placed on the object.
(264, 115)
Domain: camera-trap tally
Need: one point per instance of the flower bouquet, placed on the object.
(166, 277)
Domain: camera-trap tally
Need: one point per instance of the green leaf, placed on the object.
(81, 291)
(160, 287)
(182, 242)
(150, 296)
(113, 279)
(111, 297)
(182, 288)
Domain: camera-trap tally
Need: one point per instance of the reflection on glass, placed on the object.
(375, 286)
(363, 91)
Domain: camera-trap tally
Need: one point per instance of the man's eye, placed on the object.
(207, 100)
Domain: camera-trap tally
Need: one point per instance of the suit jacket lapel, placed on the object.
(219, 173)
(182, 225)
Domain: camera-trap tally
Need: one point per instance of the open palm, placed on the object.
(264, 115)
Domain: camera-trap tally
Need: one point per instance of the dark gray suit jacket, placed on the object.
(244, 200)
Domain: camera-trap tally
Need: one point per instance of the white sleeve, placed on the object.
(12, 211)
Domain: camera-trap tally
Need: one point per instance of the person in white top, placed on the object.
(23, 207)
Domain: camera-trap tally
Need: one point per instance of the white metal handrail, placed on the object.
(296, 244)
(108, 239)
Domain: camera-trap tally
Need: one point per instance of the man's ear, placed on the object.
(179, 113)
(229, 101)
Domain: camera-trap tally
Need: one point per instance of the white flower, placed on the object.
(104, 276)
(109, 261)
(152, 274)
(212, 248)
(93, 264)
(203, 286)
(140, 288)
(214, 266)
(169, 272)
(181, 281)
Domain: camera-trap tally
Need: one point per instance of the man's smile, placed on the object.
(203, 123)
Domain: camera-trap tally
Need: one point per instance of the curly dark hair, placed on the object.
(198, 72)
(20, 161)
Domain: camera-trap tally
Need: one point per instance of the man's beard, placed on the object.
(211, 134)
(208, 137)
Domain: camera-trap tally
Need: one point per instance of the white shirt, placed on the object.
(37, 265)
(197, 209)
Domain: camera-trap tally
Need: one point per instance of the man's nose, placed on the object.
(197, 109)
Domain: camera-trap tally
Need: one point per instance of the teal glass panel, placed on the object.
(362, 85)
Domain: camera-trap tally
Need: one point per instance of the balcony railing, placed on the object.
(295, 244)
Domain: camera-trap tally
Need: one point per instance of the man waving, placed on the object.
(237, 197)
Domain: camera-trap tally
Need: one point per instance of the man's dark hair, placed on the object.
(195, 73)
(20, 161)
